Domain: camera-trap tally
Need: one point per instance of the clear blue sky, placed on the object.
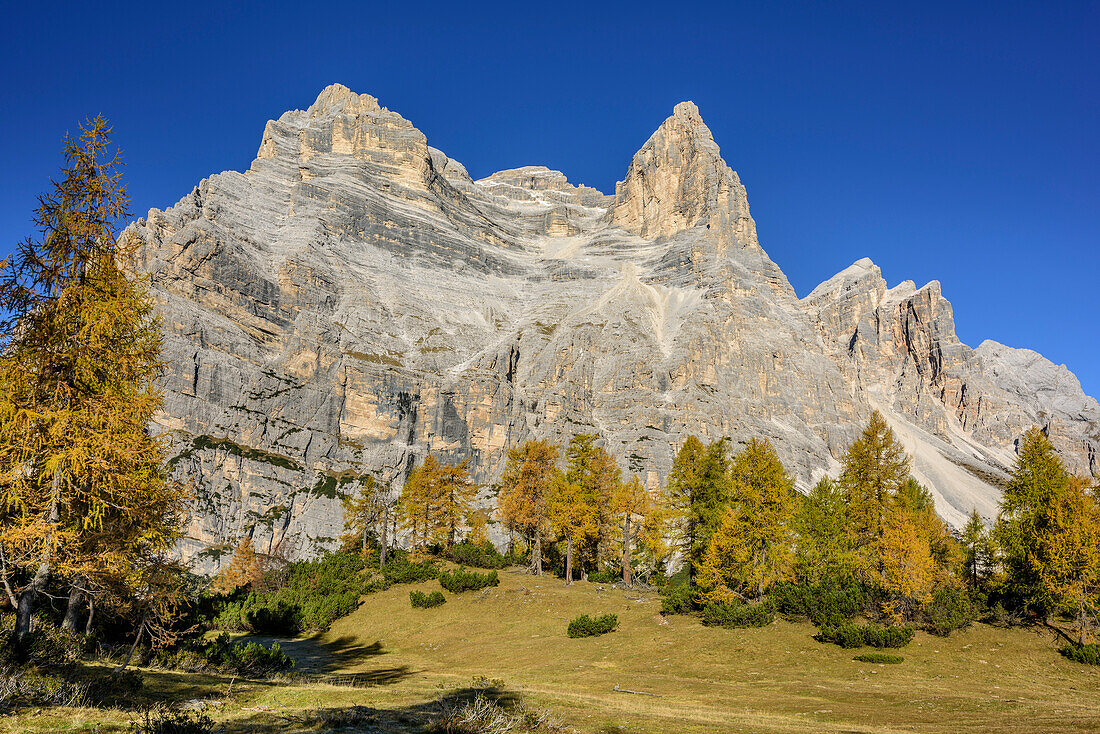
(949, 141)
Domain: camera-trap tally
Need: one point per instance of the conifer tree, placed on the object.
(698, 493)
(824, 548)
(1049, 530)
(595, 472)
(978, 552)
(436, 501)
(908, 567)
(83, 489)
(366, 513)
(529, 473)
(630, 504)
(1024, 522)
(572, 515)
(751, 549)
(876, 468)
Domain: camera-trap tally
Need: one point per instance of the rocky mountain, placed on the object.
(355, 300)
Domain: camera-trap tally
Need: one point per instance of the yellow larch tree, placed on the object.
(529, 473)
(84, 495)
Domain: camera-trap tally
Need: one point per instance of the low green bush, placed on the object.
(162, 721)
(949, 610)
(678, 599)
(585, 626)
(222, 654)
(1087, 654)
(738, 615)
(400, 570)
(421, 600)
(28, 687)
(460, 580)
(881, 658)
(849, 635)
(828, 603)
(483, 555)
(605, 576)
(311, 595)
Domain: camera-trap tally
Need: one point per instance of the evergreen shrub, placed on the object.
(1087, 654)
(460, 580)
(880, 658)
(483, 555)
(950, 609)
(738, 615)
(420, 600)
(828, 603)
(585, 626)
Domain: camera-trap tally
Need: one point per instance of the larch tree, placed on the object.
(630, 504)
(594, 470)
(418, 504)
(751, 549)
(978, 550)
(245, 568)
(573, 516)
(367, 514)
(1049, 531)
(908, 568)
(84, 495)
(456, 497)
(1024, 524)
(823, 545)
(697, 496)
(875, 469)
(436, 501)
(529, 472)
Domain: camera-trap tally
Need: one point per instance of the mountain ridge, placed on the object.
(355, 299)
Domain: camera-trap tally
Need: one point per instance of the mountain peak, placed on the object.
(678, 180)
(338, 96)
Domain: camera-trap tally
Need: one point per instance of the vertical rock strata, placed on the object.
(355, 300)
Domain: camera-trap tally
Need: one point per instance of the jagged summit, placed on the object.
(337, 96)
(678, 181)
(355, 300)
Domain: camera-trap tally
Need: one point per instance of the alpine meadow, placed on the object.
(355, 441)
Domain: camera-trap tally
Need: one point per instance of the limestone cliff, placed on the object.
(355, 300)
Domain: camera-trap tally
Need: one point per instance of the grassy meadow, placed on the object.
(388, 667)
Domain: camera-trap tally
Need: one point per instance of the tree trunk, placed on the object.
(536, 553)
(626, 550)
(88, 628)
(1083, 616)
(569, 560)
(385, 527)
(129, 655)
(72, 611)
(25, 608)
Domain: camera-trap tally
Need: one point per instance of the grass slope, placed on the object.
(401, 662)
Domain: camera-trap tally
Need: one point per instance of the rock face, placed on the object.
(355, 300)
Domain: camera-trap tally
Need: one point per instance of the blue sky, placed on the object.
(949, 141)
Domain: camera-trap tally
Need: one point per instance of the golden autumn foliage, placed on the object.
(573, 516)
(366, 514)
(436, 501)
(630, 505)
(751, 548)
(529, 473)
(1049, 530)
(83, 490)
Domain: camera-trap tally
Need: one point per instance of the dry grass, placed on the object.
(407, 668)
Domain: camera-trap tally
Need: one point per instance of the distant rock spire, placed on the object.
(678, 180)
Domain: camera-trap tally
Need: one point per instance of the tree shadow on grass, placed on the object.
(314, 656)
(419, 718)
